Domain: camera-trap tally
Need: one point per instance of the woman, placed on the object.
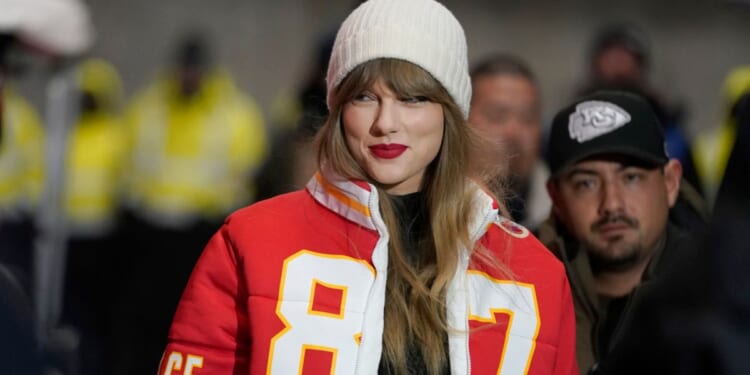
(393, 260)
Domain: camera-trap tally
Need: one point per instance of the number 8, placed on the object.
(344, 283)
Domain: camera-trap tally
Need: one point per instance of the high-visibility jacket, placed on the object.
(713, 147)
(21, 156)
(95, 154)
(192, 158)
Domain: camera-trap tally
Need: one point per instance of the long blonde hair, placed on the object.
(415, 308)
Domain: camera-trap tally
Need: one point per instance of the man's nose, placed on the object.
(612, 200)
(511, 129)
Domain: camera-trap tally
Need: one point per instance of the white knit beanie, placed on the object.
(422, 32)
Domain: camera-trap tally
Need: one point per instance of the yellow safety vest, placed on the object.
(192, 158)
(96, 153)
(711, 148)
(21, 156)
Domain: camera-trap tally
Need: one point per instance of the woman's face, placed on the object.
(393, 138)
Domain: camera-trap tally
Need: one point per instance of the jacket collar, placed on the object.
(357, 201)
(350, 199)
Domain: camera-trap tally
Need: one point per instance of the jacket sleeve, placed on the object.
(566, 362)
(209, 333)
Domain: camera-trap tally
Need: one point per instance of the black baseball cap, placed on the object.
(606, 122)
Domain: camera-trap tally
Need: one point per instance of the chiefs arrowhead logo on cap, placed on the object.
(595, 118)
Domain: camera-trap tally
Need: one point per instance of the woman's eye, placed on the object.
(363, 97)
(414, 99)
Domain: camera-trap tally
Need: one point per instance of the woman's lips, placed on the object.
(387, 151)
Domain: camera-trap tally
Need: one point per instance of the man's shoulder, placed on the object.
(554, 237)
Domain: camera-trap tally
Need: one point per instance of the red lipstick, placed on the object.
(387, 151)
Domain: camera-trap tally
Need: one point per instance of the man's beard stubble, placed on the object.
(616, 256)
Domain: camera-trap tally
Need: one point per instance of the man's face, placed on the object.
(616, 65)
(615, 208)
(190, 79)
(505, 110)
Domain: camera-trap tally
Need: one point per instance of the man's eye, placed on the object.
(587, 184)
(633, 177)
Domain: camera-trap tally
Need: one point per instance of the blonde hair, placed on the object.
(415, 295)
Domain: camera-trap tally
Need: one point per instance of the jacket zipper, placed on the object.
(485, 223)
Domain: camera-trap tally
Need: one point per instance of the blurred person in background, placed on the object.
(506, 110)
(292, 159)
(297, 119)
(612, 186)
(31, 342)
(735, 183)
(196, 142)
(95, 156)
(19, 352)
(713, 147)
(21, 174)
(620, 58)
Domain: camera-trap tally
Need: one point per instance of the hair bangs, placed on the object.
(405, 79)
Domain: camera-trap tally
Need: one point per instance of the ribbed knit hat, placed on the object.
(422, 32)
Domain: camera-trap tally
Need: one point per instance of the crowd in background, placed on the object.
(147, 179)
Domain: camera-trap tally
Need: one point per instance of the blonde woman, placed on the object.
(394, 259)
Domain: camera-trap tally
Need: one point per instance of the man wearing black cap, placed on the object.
(612, 186)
